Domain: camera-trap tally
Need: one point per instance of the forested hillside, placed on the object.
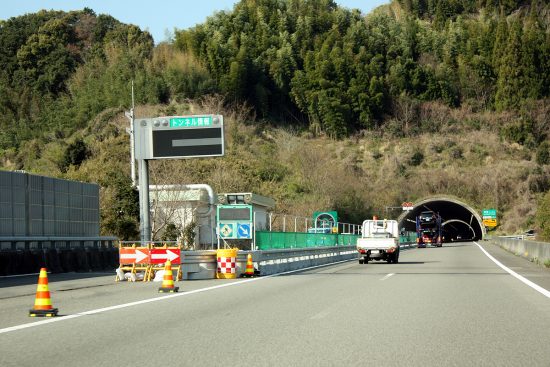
(326, 107)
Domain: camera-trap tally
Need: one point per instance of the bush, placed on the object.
(416, 159)
(543, 217)
(538, 183)
(171, 233)
(543, 153)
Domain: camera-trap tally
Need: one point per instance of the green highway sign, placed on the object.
(235, 221)
(191, 121)
(489, 213)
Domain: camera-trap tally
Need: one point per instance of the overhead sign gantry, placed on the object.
(171, 137)
(179, 137)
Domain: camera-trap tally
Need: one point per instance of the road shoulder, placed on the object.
(531, 271)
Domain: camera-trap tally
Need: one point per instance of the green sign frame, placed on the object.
(235, 221)
(489, 213)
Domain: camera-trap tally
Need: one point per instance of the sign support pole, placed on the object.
(144, 210)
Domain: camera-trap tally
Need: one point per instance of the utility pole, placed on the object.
(130, 115)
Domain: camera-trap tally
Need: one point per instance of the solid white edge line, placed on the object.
(173, 295)
(516, 275)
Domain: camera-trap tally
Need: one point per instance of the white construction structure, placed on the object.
(184, 205)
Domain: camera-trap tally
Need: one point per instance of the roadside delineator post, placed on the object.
(167, 285)
(249, 271)
(43, 303)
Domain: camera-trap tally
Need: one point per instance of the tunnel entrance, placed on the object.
(460, 221)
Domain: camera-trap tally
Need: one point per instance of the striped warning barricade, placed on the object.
(160, 254)
(133, 260)
(226, 263)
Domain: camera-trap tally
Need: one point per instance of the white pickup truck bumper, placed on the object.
(376, 254)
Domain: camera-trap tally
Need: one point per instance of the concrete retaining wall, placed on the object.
(530, 250)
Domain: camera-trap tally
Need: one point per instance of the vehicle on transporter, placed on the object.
(379, 241)
(429, 229)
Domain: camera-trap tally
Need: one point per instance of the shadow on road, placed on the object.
(15, 281)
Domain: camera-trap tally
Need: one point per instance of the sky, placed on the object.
(159, 17)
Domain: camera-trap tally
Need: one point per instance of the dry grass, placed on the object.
(358, 176)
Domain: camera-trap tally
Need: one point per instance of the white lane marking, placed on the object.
(320, 315)
(387, 276)
(536, 287)
(20, 275)
(173, 295)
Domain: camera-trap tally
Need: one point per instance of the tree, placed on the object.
(121, 218)
(75, 154)
(543, 153)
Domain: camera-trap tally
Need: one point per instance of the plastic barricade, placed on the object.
(227, 263)
(145, 261)
(133, 259)
(159, 254)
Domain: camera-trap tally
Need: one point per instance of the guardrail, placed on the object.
(202, 264)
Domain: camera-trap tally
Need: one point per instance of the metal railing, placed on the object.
(293, 223)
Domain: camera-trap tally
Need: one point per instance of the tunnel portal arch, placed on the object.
(460, 220)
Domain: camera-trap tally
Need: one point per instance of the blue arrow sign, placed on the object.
(244, 230)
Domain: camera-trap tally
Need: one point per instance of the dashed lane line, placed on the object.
(388, 276)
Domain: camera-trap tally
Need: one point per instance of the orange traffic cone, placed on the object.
(249, 271)
(167, 285)
(42, 303)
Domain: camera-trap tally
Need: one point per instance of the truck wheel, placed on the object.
(396, 258)
(361, 261)
(366, 260)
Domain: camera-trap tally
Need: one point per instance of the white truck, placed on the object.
(379, 241)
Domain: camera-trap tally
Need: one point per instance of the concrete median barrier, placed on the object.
(534, 251)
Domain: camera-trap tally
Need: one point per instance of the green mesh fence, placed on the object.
(281, 240)
(408, 237)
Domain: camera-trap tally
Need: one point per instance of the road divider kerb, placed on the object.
(526, 281)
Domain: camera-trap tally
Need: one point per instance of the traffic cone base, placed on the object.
(167, 285)
(168, 290)
(43, 313)
(42, 303)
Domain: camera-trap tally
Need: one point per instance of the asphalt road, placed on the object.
(449, 306)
